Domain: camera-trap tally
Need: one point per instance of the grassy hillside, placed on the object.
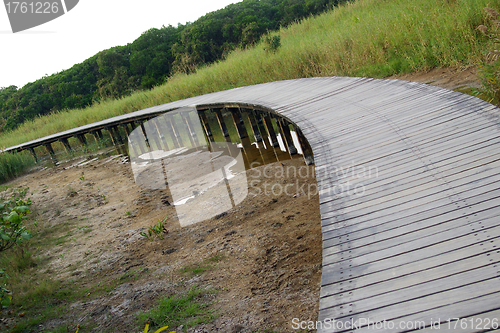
(374, 38)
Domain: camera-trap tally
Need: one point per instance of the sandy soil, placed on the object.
(457, 78)
(270, 243)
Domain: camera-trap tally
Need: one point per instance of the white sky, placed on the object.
(91, 26)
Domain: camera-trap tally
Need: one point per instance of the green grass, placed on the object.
(187, 309)
(371, 38)
(13, 165)
(201, 267)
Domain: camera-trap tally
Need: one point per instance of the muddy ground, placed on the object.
(261, 260)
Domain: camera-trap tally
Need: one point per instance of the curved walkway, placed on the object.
(409, 179)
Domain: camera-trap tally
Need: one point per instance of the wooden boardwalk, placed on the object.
(409, 180)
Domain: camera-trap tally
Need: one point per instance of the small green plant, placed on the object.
(195, 269)
(217, 257)
(186, 309)
(156, 230)
(82, 177)
(203, 266)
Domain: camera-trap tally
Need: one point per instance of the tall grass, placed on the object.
(13, 165)
(373, 38)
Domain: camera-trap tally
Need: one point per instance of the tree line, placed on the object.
(153, 57)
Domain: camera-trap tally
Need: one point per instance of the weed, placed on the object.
(187, 309)
(202, 267)
(82, 177)
(217, 257)
(155, 230)
(195, 269)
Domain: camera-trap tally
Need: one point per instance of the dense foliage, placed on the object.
(153, 57)
(13, 213)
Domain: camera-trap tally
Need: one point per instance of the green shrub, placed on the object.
(13, 213)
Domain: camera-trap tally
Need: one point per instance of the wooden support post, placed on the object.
(222, 124)
(67, 147)
(110, 131)
(260, 125)
(270, 130)
(206, 127)
(133, 146)
(187, 130)
(163, 141)
(153, 133)
(96, 137)
(116, 132)
(127, 130)
(238, 122)
(165, 128)
(255, 128)
(132, 127)
(192, 132)
(148, 145)
(137, 142)
(32, 151)
(171, 126)
(304, 145)
(287, 136)
(82, 139)
(48, 146)
(258, 139)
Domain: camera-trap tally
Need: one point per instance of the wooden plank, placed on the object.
(460, 259)
(373, 231)
(439, 299)
(487, 304)
(344, 266)
(372, 300)
(479, 322)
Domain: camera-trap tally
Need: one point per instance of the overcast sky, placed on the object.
(91, 26)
